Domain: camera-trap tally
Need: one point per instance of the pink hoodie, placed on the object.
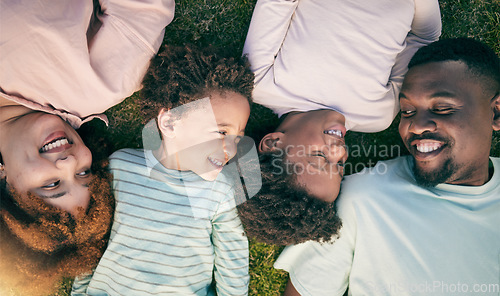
(62, 57)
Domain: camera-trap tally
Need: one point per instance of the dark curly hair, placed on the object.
(40, 244)
(282, 212)
(481, 60)
(179, 75)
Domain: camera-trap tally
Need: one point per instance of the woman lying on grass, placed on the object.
(63, 63)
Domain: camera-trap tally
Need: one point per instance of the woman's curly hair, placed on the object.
(179, 75)
(283, 213)
(41, 244)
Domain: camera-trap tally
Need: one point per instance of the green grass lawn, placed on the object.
(224, 23)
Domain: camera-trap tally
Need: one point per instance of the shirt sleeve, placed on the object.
(268, 28)
(231, 251)
(425, 29)
(78, 57)
(130, 35)
(80, 285)
(317, 269)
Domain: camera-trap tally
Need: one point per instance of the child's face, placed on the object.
(205, 139)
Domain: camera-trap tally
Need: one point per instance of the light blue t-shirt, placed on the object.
(399, 238)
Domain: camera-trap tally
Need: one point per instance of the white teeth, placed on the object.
(334, 132)
(55, 144)
(215, 161)
(428, 147)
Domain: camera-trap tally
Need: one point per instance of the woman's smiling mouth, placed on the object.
(62, 144)
(56, 142)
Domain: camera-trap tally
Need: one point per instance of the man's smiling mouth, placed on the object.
(424, 149)
(427, 147)
(337, 133)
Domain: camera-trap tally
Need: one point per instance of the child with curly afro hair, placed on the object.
(176, 229)
(283, 212)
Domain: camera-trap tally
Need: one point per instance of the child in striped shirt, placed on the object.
(176, 230)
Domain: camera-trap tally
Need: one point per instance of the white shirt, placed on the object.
(349, 56)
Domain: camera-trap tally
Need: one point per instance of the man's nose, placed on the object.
(421, 122)
(337, 153)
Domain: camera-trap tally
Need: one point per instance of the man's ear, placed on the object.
(166, 123)
(270, 141)
(495, 104)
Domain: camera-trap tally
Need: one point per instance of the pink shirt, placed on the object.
(61, 57)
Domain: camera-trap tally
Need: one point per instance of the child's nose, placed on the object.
(230, 148)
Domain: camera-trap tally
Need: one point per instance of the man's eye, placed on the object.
(84, 173)
(445, 110)
(52, 185)
(407, 112)
(322, 159)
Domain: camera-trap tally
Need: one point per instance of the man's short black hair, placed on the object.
(481, 60)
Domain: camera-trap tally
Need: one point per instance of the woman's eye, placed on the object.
(84, 173)
(52, 185)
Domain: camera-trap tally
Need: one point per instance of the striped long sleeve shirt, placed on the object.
(173, 233)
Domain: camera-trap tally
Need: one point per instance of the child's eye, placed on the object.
(224, 133)
(52, 185)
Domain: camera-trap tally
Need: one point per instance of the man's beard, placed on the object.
(440, 175)
(433, 178)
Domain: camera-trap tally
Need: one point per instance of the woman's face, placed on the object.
(44, 155)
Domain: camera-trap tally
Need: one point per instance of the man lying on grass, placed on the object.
(427, 223)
